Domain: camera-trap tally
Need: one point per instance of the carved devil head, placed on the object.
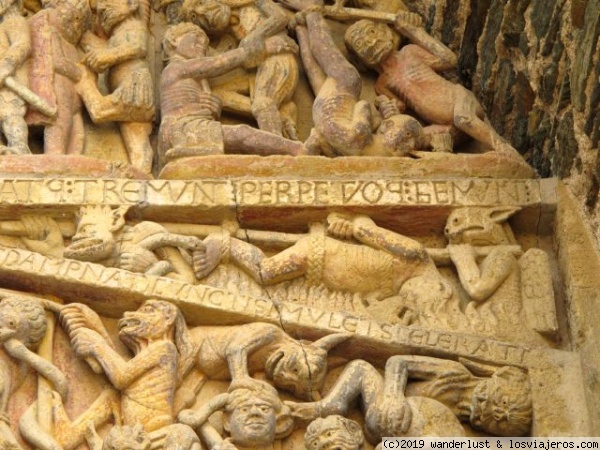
(480, 226)
(300, 368)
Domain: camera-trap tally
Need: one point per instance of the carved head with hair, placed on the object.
(113, 12)
(501, 405)
(126, 437)
(335, 433)
(212, 15)
(94, 240)
(372, 42)
(22, 319)
(155, 320)
(299, 367)
(73, 17)
(185, 39)
(255, 415)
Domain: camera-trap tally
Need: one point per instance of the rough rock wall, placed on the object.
(535, 66)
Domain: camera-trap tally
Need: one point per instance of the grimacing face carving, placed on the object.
(252, 422)
(372, 42)
(149, 322)
(126, 438)
(211, 15)
(334, 433)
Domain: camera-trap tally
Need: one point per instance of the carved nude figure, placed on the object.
(277, 75)
(343, 123)
(15, 47)
(492, 283)
(190, 111)
(22, 327)
(54, 72)
(124, 57)
(411, 75)
(254, 417)
(496, 400)
(235, 353)
(378, 269)
(147, 247)
(388, 412)
(334, 432)
(146, 382)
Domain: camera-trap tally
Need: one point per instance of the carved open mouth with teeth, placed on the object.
(128, 322)
(86, 249)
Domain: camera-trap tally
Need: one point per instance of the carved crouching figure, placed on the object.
(496, 400)
(190, 111)
(388, 412)
(343, 123)
(147, 247)
(493, 282)
(411, 76)
(146, 382)
(22, 327)
(235, 353)
(277, 75)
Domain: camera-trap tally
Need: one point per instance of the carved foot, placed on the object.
(206, 259)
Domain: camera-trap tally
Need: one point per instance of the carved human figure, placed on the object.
(235, 353)
(147, 247)
(411, 75)
(334, 432)
(56, 31)
(277, 75)
(15, 47)
(146, 382)
(124, 57)
(343, 123)
(492, 282)
(388, 412)
(254, 417)
(22, 327)
(496, 400)
(190, 111)
(378, 270)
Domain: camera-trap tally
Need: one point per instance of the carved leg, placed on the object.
(15, 130)
(245, 139)
(136, 138)
(70, 434)
(468, 116)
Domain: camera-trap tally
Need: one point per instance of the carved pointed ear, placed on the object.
(501, 214)
(118, 218)
(330, 341)
(285, 423)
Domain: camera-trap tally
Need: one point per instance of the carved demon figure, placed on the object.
(146, 247)
(334, 432)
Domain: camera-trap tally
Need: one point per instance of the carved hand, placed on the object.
(138, 262)
(340, 226)
(460, 251)
(76, 315)
(86, 342)
(304, 411)
(405, 18)
(98, 59)
(255, 48)
(43, 235)
(277, 46)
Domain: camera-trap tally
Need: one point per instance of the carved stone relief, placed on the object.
(297, 241)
